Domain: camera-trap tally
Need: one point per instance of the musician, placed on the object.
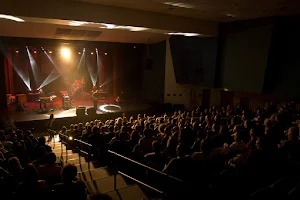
(82, 82)
(94, 89)
(95, 97)
(42, 94)
(19, 105)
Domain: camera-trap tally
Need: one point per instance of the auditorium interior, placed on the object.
(149, 99)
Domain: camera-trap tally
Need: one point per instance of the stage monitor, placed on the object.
(80, 111)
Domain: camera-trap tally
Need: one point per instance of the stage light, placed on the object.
(105, 53)
(35, 51)
(134, 47)
(70, 138)
(17, 51)
(92, 53)
(50, 51)
(65, 52)
(34, 67)
(79, 53)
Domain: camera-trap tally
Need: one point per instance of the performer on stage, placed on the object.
(82, 82)
(94, 89)
(19, 105)
(42, 94)
(95, 97)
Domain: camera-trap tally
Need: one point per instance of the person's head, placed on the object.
(95, 129)
(247, 124)
(14, 165)
(111, 129)
(168, 131)
(148, 133)
(123, 136)
(50, 159)
(156, 146)
(103, 129)
(69, 173)
(254, 132)
(42, 140)
(64, 129)
(135, 135)
(30, 174)
(261, 142)
(233, 121)
(206, 146)
(293, 133)
(182, 150)
(172, 142)
(236, 129)
(237, 137)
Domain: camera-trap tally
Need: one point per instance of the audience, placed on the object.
(221, 150)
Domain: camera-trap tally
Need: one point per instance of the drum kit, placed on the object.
(76, 88)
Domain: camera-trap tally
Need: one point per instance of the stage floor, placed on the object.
(104, 107)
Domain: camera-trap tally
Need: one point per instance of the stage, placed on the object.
(107, 109)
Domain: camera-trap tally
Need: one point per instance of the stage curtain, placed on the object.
(8, 70)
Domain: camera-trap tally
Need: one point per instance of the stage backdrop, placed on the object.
(115, 66)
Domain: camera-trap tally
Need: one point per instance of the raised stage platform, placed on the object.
(107, 109)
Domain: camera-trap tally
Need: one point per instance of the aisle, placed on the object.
(98, 180)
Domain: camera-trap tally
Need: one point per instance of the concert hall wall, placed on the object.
(194, 59)
(120, 65)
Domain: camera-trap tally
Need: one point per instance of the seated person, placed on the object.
(32, 187)
(51, 171)
(70, 188)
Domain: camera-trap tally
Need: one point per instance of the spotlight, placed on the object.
(134, 47)
(70, 138)
(17, 51)
(79, 52)
(92, 53)
(50, 51)
(105, 53)
(65, 52)
(35, 51)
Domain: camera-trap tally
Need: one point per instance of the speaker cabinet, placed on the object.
(91, 111)
(80, 111)
(66, 101)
